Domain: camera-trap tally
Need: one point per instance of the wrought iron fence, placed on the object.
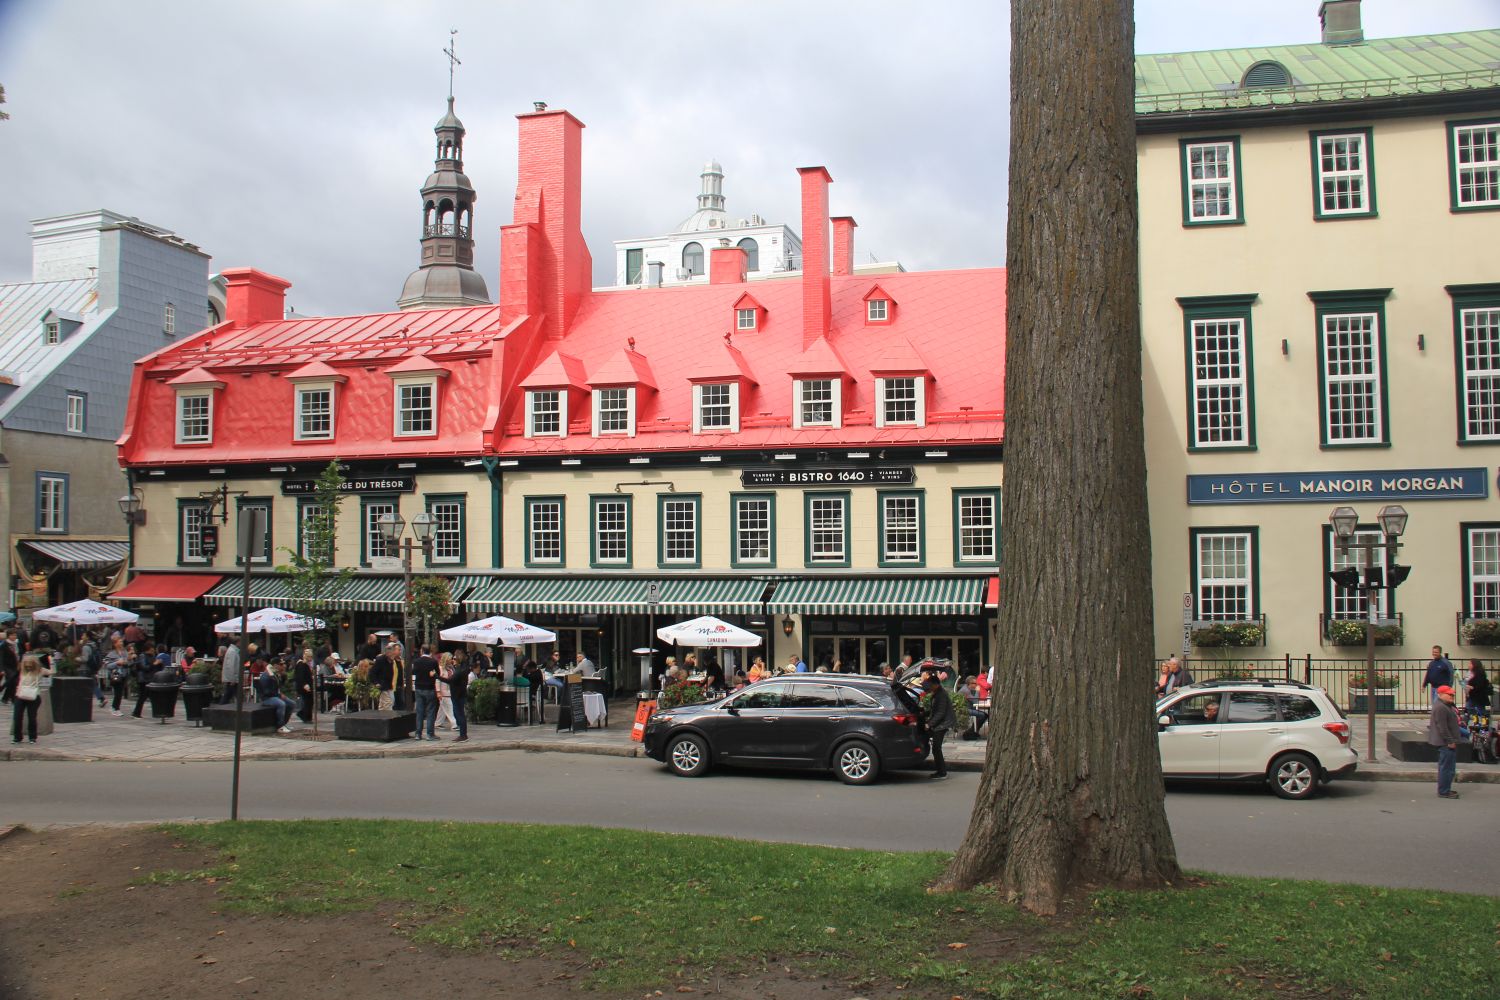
(1398, 681)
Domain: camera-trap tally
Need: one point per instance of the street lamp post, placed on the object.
(391, 527)
(1345, 520)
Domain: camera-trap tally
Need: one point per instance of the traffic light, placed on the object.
(1348, 578)
(1398, 575)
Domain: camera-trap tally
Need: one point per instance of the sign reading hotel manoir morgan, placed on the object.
(1321, 487)
(830, 475)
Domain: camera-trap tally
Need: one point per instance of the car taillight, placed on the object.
(1339, 729)
(904, 719)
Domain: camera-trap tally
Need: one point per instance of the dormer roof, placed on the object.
(316, 371)
(900, 358)
(418, 364)
(557, 371)
(877, 292)
(196, 378)
(628, 367)
(822, 358)
(722, 363)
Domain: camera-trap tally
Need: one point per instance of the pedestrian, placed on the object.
(229, 672)
(302, 687)
(10, 664)
(148, 663)
(479, 662)
(383, 676)
(1171, 677)
(1478, 690)
(268, 686)
(458, 691)
(1442, 732)
(940, 719)
(424, 671)
(28, 696)
(445, 718)
(1439, 673)
(115, 670)
(977, 716)
(88, 657)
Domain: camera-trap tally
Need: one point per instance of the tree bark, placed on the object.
(1072, 791)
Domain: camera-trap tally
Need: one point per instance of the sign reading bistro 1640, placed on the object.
(888, 475)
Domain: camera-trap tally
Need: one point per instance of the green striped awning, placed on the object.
(606, 595)
(885, 595)
(265, 592)
(363, 593)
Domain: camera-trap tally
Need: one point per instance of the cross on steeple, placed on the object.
(453, 60)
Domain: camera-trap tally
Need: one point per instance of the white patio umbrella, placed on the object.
(707, 631)
(86, 613)
(271, 620)
(497, 630)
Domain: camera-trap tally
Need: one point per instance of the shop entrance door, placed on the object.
(963, 651)
(855, 654)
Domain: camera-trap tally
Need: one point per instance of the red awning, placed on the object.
(166, 587)
(992, 593)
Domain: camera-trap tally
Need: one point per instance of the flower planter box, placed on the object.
(72, 699)
(1385, 700)
(376, 726)
(257, 718)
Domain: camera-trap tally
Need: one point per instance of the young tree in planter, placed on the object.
(429, 605)
(1071, 793)
(314, 584)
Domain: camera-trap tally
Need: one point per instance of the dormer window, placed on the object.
(744, 319)
(416, 407)
(195, 417)
(315, 411)
(614, 411)
(818, 403)
(546, 413)
(900, 402)
(877, 310)
(716, 408)
(749, 314)
(51, 332)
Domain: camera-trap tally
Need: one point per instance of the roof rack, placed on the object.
(1268, 681)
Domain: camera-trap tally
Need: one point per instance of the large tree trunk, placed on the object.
(1072, 791)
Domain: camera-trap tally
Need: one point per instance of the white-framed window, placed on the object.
(877, 310)
(827, 528)
(900, 401)
(977, 521)
(544, 531)
(78, 412)
(1352, 379)
(245, 509)
(374, 544)
(191, 518)
(447, 529)
(818, 403)
(614, 411)
(51, 332)
(314, 412)
(308, 520)
(546, 413)
(1211, 181)
(51, 502)
(169, 319)
(1474, 151)
(1219, 374)
(1342, 173)
(752, 530)
(900, 528)
(679, 531)
(1478, 335)
(1482, 570)
(195, 417)
(1223, 571)
(716, 407)
(416, 407)
(611, 531)
(744, 319)
(1346, 603)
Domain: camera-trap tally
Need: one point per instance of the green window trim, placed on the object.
(958, 548)
(1342, 303)
(627, 501)
(807, 529)
(882, 555)
(391, 500)
(1466, 530)
(735, 499)
(1184, 147)
(1253, 565)
(431, 500)
(528, 504)
(1452, 128)
(1225, 308)
(304, 504)
(183, 505)
(1466, 298)
(662, 500)
(1369, 210)
(269, 556)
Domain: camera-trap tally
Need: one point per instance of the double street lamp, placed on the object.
(392, 526)
(1369, 579)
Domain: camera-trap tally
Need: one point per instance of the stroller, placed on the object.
(1483, 736)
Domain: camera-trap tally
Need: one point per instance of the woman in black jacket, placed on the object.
(1481, 692)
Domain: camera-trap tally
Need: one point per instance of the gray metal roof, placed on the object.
(22, 305)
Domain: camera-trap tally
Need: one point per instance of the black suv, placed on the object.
(852, 724)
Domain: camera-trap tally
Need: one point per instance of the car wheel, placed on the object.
(857, 763)
(1294, 776)
(688, 756)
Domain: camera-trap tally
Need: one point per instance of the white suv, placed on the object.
(1282, 732)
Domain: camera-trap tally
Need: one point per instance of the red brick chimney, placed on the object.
(816, 300)
(252, 296)
(727, 266)
(843, 244)
(552, 255)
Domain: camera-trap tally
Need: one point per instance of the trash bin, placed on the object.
(505, 708)
(197, 693)
(162, 690)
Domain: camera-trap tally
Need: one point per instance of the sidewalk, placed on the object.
(126, 739)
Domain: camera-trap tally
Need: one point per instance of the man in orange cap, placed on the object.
(1442, 732)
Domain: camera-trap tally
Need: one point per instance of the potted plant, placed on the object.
(1229, 634)
(1385, 692)
(72, 692)
(1351, 632)
(680, 693)
(484, 700)
(1481, 632)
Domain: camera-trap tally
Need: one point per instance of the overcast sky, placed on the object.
(293, 137)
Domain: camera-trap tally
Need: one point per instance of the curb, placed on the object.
(396, 748)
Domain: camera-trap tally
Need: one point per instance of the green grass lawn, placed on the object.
(650, 910)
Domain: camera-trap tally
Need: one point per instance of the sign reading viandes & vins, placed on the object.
(830, 476)
(1319, 487)
(385, 484)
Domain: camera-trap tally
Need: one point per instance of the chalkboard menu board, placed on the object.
(570, 707)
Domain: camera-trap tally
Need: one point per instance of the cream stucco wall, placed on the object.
(1415, 247)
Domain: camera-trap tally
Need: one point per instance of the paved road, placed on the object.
(1381, 833)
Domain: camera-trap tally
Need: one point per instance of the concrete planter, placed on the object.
(1385, 700)
(257, 718)
(72, 699)
(375, 726)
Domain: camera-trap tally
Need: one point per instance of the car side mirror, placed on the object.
(1164, 721)
(732, 709)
